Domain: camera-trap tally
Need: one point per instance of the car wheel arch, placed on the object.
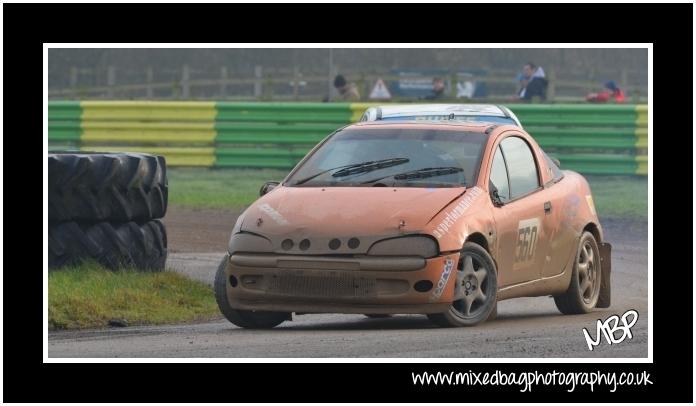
(593, 229)
(480, 239)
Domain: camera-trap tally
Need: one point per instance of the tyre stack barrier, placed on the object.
(106, 207)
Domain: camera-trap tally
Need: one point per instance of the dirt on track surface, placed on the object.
(526, 327)
(190, 230)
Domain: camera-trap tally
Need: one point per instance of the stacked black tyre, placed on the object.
(105, 207)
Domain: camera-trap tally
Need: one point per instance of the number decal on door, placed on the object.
(527, 237)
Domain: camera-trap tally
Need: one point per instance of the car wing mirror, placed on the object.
(267, 187)
(495, 197)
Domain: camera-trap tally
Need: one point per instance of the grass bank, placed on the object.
(89, 296)
(234, 189)
(620, 196)
(204, 188)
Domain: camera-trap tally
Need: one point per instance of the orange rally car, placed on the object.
(437, 218)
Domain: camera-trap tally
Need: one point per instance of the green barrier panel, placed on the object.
(64, 121)
(64, 110)
(259, 157)
(575, 121)
(575, 115)
(598, 164)
(64, 131)
(583, 137)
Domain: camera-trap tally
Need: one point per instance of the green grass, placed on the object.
(89, 296)
(620, 196)
(232, 189)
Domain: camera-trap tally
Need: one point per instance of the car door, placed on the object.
(564, 205)
(522, 240)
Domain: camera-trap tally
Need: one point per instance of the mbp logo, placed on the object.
(610, 327)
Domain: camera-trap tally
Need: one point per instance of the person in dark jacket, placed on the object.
(536, 84)
(438, 91)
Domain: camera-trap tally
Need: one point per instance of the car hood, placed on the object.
(369, 213)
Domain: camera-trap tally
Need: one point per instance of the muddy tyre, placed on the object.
(116, 187)
(475, 292)
(242, 318)
(583, 291)
(126, 245)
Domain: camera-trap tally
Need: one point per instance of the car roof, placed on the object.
(434, 109)
(434, 112)
(454, 124)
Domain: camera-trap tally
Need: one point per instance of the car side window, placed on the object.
(499, 176)
(522, 168)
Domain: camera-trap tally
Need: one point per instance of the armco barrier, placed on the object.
(592, 139)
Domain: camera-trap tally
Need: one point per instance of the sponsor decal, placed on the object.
(590, 203)
(453, 215)
(273, 214)
(446, 272)
(527, 236)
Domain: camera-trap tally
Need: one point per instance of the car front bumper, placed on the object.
(333, 284)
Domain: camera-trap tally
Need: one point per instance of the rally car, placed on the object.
(442, 218)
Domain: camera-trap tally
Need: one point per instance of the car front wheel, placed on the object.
(242, 318)
(475, 289)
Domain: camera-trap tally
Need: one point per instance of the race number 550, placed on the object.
(527, 233)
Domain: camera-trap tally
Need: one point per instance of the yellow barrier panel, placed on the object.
(148, 111)
(358, 109)
(174, 156)
(642, 116)
(138, 132)
(641, 137)
(642, 161)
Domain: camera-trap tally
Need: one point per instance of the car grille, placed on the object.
(322, 286)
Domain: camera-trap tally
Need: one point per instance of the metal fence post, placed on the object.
(258, 83)
(73, 80)
(268, 86)
(551, 91)
(223, 81)
(149, 77)
(453, 85)
(110, 81)
(185, 84)
(295, 82)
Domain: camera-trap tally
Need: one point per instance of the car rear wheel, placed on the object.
(242, 318)
(583, 291)
(475, 290)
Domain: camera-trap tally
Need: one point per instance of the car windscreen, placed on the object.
(477, 119)
(394, 156)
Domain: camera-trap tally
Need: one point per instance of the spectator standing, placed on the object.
(346, 91)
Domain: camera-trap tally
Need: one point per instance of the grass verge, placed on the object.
(204, 188)
(234, 189)
(620, 196)
(90, 295)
